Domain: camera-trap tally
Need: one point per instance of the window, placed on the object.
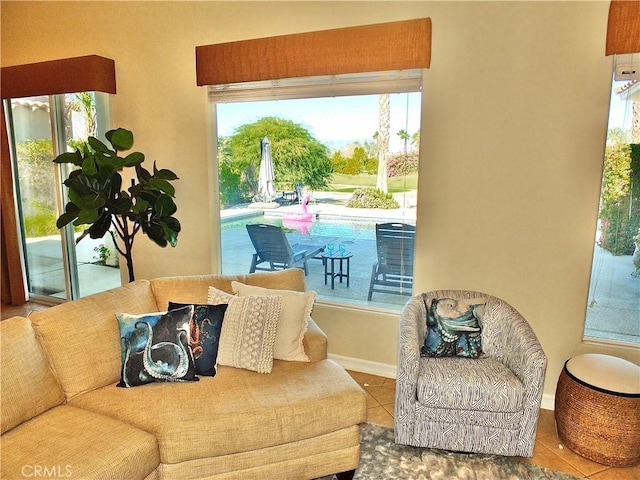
(614, 292)
(39, 129)
(327, 138)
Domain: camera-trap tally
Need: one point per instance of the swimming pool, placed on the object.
(324, 226)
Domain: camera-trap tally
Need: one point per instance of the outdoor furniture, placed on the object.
(489, 404)
(292, 197)
(331, 257)
(597, 409)
(287, 198)
(393, 272)
(273, 248)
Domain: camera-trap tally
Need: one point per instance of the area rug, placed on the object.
(382, 459)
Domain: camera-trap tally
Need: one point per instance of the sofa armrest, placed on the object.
(315, 342)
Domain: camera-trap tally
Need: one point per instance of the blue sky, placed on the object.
(619, 110)
(334, 121)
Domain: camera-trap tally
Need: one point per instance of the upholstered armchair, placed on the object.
(489, 404)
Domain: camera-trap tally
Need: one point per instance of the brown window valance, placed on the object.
(90, 73)
(368, 48)
(623, 27)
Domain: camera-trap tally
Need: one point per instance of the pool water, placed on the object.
(364, 230)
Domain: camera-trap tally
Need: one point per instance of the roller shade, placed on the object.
(369, 48)
(623, 27)
(90, 73)
(370, 83)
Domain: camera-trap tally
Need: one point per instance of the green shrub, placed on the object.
(371, 166)
(402, 164)
(372, 198)
(620, 212)
(41, 224)
(232, 189)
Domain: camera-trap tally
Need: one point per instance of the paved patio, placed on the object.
(237, 249)
(614, 298)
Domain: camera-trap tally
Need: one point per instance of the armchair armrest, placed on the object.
(509, 338)
(411, 337)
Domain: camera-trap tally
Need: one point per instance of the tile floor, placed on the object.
(380, 402)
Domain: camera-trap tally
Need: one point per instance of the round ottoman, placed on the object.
(597, 409)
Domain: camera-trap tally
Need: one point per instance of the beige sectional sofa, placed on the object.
(64, 417)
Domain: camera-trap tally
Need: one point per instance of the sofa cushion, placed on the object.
(292, 322)
(315, 457)
(457, 383)
(82, 340)
(244, 410)
(28, 386)
(249, 332)
(204, 338)
(193, 289)
(74, 443)
(155, 347)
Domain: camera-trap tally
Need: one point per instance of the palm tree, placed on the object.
(384, 125)
(404, 136)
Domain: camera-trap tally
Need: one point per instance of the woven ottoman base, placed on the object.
(601, 425)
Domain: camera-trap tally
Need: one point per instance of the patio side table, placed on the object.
(331, 257)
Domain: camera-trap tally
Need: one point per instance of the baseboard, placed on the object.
(389, 371)
(365, 366)
(548, 401)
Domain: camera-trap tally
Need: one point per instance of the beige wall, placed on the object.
(513, 128)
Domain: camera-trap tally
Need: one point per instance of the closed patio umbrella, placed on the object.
(266, 190)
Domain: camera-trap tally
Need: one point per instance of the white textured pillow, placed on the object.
(293, 322)
(218, 297)
(249, 332)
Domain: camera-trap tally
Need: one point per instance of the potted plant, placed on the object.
(98, 202)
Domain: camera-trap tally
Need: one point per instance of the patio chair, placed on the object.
(290, 198)
(273, 248)
(393, 272)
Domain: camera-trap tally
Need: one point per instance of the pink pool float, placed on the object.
(299, 220)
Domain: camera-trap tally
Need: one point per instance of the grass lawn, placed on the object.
(348, 183)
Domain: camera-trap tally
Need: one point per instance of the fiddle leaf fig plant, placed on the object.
(98, 202)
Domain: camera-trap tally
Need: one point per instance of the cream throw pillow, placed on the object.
(218, 297)
(249, 332)
(292, 324)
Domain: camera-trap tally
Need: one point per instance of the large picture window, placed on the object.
(328, 166)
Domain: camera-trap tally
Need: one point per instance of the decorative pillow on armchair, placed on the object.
(155, 347)
(453, 327)
(292, 322)
(204, 335)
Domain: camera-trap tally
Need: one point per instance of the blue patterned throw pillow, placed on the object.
(155, 347)
(204, 336)
(453, 327)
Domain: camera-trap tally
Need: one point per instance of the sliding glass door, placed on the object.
(39, 129)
